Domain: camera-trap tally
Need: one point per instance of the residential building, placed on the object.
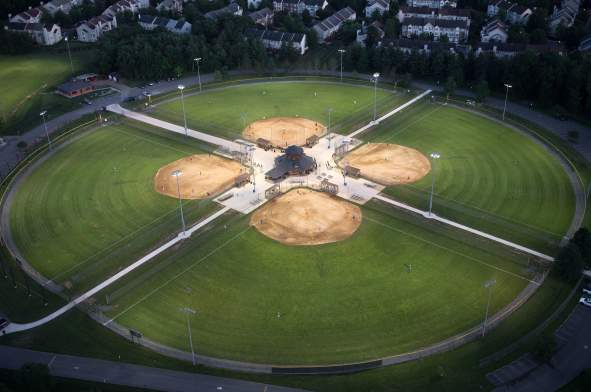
(41, 34)
(175, 6)
(585, 45)
(379, 6)
(299, 6)
(75, 88)
(151, 22)
(64, 6)
(326, 28)
(133, 6)
(273, 39)
(263, 17)
(455, 30)
(230, 9)
(494, 31)
(253, 4)
(415, 45)
(433, 3)
(92, 30)
(32, 15)
(514, 13)
(434, 13)
(504, 50)
(362, 33)
(564, 15)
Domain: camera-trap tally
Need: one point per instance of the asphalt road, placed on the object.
(126, 374)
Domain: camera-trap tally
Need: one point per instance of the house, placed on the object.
(151, 22)
(75, 88)
(175, 6)
(230, 9)
(494, 31)
(133, 6)
(455, 30)
(273, 39)
(253, 4)
(434, 13)
(504, 50)
(64, 6)
(313, 6)
(91, 30)
(263, 17)
(585, 45)
(326, 28)
(379, 6)
(362, 33)
(32, 15)
(433, 3)
(564, 15)
(299, 6)
(41, 34)
(518, 14)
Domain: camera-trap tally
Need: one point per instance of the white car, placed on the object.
(585, 301)
(586, 291)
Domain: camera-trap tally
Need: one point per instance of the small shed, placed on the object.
(75, 88)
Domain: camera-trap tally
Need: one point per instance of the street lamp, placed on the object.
(507, 86)
(434, 156)
(177, 174)
(375, 94)
(328, 133)
(149, 95)
(43, 114)
(69, 54)
(487, 285)
(187, 312)
(341, 51)
(197, 60)
(181, 88)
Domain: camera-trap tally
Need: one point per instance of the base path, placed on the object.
(479, 233)
(218, 141)
(129, 375)
(14, 327)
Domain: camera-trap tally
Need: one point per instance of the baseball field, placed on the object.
(392, 284)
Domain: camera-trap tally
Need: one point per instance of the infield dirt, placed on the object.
(284, 131)
(388, 164)
(306, 217)
(203, 176)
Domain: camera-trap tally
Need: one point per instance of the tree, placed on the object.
(449, 87)
(482, 91)
(34, 377)
(391, 28)
(582, 239)
(545, 348)
(569, 262)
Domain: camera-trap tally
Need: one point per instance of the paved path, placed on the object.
(129, 375)
(14, 327)
(479, 233)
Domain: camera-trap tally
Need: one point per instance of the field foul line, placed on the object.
(411, 124)
(452, 251)
(116, 129)
(175, 277)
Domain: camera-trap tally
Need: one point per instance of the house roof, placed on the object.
(229, 9)
(19, 26)
(494, 24)
(380, 3)
(75, 85)
(335, 19)
(274, 35)
(436, 11)
(260, 14)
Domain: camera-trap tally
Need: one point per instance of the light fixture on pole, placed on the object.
(433, 156)
(487, 285)
(177, 174)
(190, 312)
(375, 94)
(69, 54)
(328, 129)
(342, 51)
(507, 86)
(197, 60)
(181, 88)
(43, 114)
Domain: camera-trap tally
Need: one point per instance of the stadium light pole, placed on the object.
(342, 51)
(375, 94)
(177, 174)
(434, 156)
(328, 133)
(69, 55)
(488, 285)
(507, 86)
(197, 60)
(187, 312)
(181, 88)
(43, 114)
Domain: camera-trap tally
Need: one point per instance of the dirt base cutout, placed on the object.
(203, 176)
(306, 217)
(388, 164)
(284, 131)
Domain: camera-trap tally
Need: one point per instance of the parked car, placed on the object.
(3, 323)
(585, 301)
(87, 101)
(2, 142)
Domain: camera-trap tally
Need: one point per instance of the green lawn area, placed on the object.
(489, 176)
(91, 207)
(28, 82)
(227, 111)
(262, 301)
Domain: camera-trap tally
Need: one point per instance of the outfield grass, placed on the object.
(258, 300)
(27, 84)
(91, 207)
(227, 111)
(489, 176)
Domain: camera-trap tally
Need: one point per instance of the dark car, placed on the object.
(3, 323)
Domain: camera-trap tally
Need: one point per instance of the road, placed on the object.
(109, 372)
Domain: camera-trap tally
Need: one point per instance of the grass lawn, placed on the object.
(27, 84)
(91, 207)
(225, 112)
(489, 176)
(261, 301)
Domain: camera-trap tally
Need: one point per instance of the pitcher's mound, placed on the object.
(388, 164)
(202, 176)
(284, 131)
(306, 217)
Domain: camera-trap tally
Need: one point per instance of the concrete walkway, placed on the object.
(125, 374)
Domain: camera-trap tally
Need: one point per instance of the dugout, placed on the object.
(264, 144)
(353, 172)
(312, 141)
